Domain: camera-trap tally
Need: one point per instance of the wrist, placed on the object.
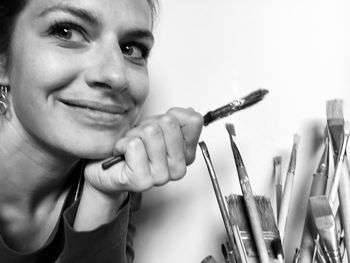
(97, 208)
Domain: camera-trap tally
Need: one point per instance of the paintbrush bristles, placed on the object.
(230, 129)
(334, 109)
(292, 161)
(320, 206)
(296, 140)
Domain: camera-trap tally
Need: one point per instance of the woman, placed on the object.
(73, 79)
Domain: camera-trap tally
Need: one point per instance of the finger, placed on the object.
(174, 142)
(175, 147)
(135, 174)
(153, 139)
(191, 123)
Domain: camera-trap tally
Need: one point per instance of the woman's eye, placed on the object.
(68, 32)
(135, 51)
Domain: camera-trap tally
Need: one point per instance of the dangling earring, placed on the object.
(3, 99)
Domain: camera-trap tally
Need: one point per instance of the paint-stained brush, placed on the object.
(238, 210)
(326, 227)
(219, 198)
(277, 170)
(234, 106)
(288, 188)
(248, 197)
(318, 187)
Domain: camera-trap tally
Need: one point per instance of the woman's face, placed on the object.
(78, 72)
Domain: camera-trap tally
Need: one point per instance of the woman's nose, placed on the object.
(108, 69)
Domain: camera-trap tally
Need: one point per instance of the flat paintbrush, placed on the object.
(238, 211)
(220, 199)
(277, 169)
(326, 227)
(318, 187)
(288, 188)
(237, 234)
(222, 112)
(248, 196)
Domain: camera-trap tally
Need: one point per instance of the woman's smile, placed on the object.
(99, 113)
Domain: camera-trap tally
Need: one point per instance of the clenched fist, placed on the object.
(156, 151)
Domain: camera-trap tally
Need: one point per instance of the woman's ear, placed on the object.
(4, 79)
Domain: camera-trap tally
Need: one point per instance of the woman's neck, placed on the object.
(29, 172)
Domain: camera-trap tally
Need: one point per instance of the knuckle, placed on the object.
(134, 144)
(197, 118)
(152, 130)
(169, 120)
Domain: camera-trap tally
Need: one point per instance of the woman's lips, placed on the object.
(100, 113)
(96, 106)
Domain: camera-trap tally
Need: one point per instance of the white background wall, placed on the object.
(209, 52)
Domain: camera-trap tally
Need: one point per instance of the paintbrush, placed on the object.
(237, 234)
(219, 197)
(277, 169)
(318, 187)
(337, 179)
(248, 197)
(222, 112)
(238, 210)
(325, 224)
(288, 188)
(339, 133)
(234, 106)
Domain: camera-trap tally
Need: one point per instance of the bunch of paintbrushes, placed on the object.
(251, 229)
(321, 241)
(252, 232)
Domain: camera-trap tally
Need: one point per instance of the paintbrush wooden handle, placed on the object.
(253, 215)
(285, 203)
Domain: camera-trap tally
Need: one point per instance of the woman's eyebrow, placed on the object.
(81, 13)
(140, 33)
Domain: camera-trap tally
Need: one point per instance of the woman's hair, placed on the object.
(10, 9)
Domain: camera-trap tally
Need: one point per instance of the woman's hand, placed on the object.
(156, 151)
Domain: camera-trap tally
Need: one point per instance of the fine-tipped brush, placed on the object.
(318, 187)
(326, 227)
(222, 112)
(248, 196)
(288, 188)
(339, 133)
(277, 168)
(219, 198)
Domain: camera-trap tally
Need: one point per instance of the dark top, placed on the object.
(109, 243)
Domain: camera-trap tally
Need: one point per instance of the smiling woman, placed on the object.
(73, 79)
